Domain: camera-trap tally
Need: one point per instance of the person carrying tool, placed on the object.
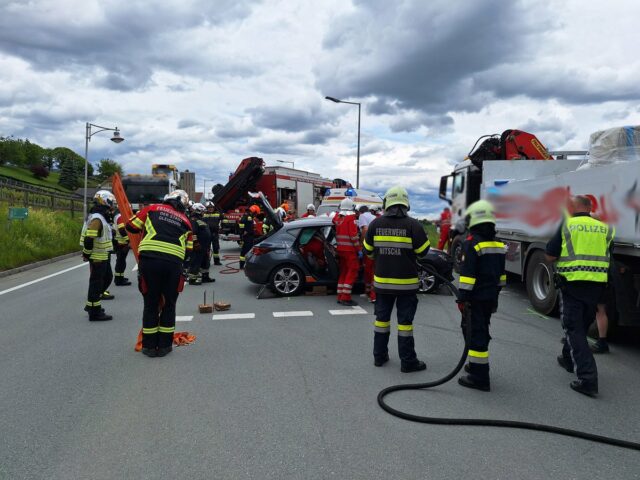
(581, 248)
(445, 226)
(364, 219)
(121, 245)
(213, 218)
(167, 236)
(311, 211)
(247, 232)
(96, 241)
(482, 276)
(395, 240)
(200, 257)
(348, 248)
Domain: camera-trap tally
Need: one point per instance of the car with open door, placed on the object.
(301, 254)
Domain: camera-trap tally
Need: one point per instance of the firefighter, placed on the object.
(200, 257)
(247, 232)
(311, 211)
(121, 245)
(445, 227)
(96, 240)
(394, 241)
(348, 249)
(167, 236)
(482, 276)
(581, 248)
(213, 218)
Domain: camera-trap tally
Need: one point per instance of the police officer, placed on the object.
(167, 235)
(394, 241)
(213, 218)
(247, 232)
(121, 245)
(348, 248)
(482, 276)
(581, 248)
(96, 241)
(200, 257)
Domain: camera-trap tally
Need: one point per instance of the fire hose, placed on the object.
(480, 421)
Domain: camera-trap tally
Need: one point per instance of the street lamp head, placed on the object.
(116, 136)
(333, 99)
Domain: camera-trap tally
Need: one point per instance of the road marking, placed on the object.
(233, 316)
(184, 318)
(18, 287)
(352, 311)
(304, 313)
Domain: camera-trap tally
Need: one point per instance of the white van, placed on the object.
(333, 197)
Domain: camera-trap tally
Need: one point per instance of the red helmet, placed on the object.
(255, 209)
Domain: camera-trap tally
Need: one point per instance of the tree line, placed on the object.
(41, 161)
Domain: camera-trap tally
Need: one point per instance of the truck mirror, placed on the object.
(444, 181)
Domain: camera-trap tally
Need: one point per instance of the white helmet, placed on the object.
(209, 204)
(198, 208)
(105, 198)
(347, 204)
(180, 196)
(311, 206)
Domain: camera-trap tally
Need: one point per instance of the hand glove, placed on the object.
(461, 306)
(85, 257)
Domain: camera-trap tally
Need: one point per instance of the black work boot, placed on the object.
(149, 352)
(565, 363)
(471, 381)
(207, 279)
(122, 282)
(380, 361)
(194, 280)
(87, 308)
(601, 346)
(348, 303)
(96, 314)
(217, 261)
(107, 296)
(162, 351)
(586, 388)
(413, 367)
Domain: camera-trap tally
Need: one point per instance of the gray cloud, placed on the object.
(188, 123)
(291, 117)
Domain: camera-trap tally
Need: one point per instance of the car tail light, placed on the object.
(260, 250)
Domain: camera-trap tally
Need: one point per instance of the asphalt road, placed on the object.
(287, 397)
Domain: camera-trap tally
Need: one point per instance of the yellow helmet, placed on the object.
(396, 195)
(479, 212)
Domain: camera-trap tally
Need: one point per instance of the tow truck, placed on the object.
(530, 189)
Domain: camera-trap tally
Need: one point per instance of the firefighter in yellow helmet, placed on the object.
(581, 248)
(482, 276)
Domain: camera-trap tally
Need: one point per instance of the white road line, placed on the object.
(18, 287)
(233, 316)
(351, 311)
(304, 313)
(184, 318)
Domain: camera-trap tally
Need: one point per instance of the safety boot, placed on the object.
(122, 282)
(418, 366)
(195, 280)
(216, 261)
(380, 361)
(107, 296)
(601, 346)
(149, 352)
(471, 381)
(584, 387)
(348, 303)
(96, 314)
(565, 363)
(162, 351)
(206, 278)
(87, 308)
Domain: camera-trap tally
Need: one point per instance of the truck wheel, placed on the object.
(540, 289)
(455, 250)
(287, 281)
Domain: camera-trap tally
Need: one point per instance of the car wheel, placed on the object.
(455, 250)
(540, 288)
(287, 281)
(428, 281)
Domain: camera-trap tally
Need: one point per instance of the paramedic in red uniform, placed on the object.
(348, 250)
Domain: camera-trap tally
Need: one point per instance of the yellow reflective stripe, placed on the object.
(150, 330)
(166, 329)
(190, 245)
(503, 278)
(91, 233)
(137, 222)
(424, 246)
(469, 280)
(396, 281)
(386, 238)
(405, 328)
(378, 323)
(367, 246)
(480, 245)
(477, 354)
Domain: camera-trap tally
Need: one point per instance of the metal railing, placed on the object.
(21, 194)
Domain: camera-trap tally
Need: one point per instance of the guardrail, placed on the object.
(22, 194)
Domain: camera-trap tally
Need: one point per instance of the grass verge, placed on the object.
(51, 182)
(45, 234)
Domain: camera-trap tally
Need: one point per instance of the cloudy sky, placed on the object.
(205, 83)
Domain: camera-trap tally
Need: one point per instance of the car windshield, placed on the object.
(324, 209)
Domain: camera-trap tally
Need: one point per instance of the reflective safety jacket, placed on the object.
(213, 220)
(482, 272)
(119, 224)
(394, 243)
(245, 226)
(586, 243)
(201, 234)
(167, 232)
(346, 233)
(96, 239)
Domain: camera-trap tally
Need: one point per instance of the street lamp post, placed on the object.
(116, 139)
(293, 165)
(358, 159)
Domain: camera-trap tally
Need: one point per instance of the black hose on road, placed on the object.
(485, 422)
